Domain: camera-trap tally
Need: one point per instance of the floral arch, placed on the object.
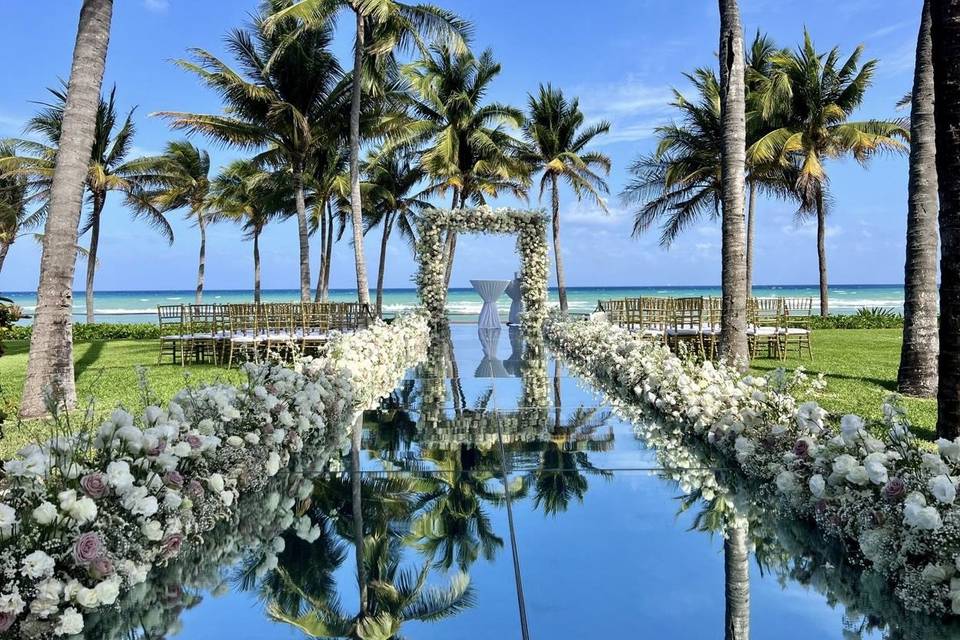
(530, 227)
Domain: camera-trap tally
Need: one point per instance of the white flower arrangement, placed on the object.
(85, 517)
(531, 231)
(856, 487)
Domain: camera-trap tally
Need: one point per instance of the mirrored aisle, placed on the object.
(501, 497)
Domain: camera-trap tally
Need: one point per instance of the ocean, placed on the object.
(462, 304)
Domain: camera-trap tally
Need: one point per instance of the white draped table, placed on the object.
(489, 291)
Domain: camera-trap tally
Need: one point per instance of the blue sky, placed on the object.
(620, 58)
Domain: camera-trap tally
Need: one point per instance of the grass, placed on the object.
(106, 371)
(860, 366)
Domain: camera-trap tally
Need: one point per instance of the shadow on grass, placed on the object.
(89, 357)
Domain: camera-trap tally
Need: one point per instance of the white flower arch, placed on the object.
(530, 227)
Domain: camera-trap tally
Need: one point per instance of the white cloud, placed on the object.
(157, 6)
(633, 107)
(583, 213)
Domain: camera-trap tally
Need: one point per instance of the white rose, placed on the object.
(933, 464)
(87, 598)
(943, 489)
(252, 437)
(182, 449)
(235, 441)
(226, 497)
(215, 482)
(44, 514)
(843, 463)
(71, 623)
(786, 482)
(119, 476)
(273, 464)
(172, 500)
(949, 449)
(817, 485)
(83, 510)
(11, 603)
(858, 475)
(37, 565)
(151, 530)
(108, 590)
(851, 427)
(916, 515)
(875, 464)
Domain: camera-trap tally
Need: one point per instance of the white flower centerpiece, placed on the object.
(85, 517)
(855, 486)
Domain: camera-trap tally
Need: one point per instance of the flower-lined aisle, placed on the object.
(890, 501)
(84, 518)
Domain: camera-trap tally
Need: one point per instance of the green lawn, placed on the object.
(861, 370)
(105, 370)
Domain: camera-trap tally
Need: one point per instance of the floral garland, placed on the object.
(891, 499)
(85, 517)
(530, 227)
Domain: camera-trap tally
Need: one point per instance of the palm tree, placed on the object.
(15, 196)
(945, 32)
(284, 90)
(180, 179)
(917, 375)
(553, 130)
(814, 94)
(246, 194)
(392, 201)
(382, 27)
(466, 146)
(330, 182)
(736, 574)
(733, 148)
(50, 362)
(110, 170)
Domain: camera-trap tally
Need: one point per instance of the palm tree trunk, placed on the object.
(918, 358)
(822, 255)
(318, 293)
(202, 262)
(356, 208)
(751, 228)
(736, 574)
(329, 256)
(387, 223)
(50, 362)
(98, 201)
(733, 318)
(451, 247)
(256, 266)
(303, 232)
(4, 248)
(357, 504)
(946, 76)
(557, 255)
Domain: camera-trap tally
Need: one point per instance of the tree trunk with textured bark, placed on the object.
(557, 256)
(733, 318)
(822, 256)
(918, 357)
(387, 223)
(98, 201)
(318, 292)
(51, 344)
(357, 503)
(329, 255)
(256, 266)
(4, 249)
(736, 574)
(451, 247)
(946, 79)
(202, 261)
(303, 233)
(356, 207)
(751, 229)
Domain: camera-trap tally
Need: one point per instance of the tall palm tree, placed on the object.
(284, 89)
(553, 130)
(917, 375)
(110, 170)
(733, 149)
(252, 197)
(15, 197)
(50, 362)
(736, 580)
(467, 148)
(382, 27)
(945, 31)
(180, 179)
(393, 201)
(330, 183)
(814, 94)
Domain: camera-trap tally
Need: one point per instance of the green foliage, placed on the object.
(864, 318)
(99, 331)
(9, 313)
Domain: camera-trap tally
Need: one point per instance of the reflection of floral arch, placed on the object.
(530, 228)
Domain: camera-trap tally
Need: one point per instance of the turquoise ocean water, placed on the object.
(462, 304)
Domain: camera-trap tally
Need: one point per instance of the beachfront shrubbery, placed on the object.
(864, 318)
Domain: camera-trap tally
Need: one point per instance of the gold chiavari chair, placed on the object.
(655, 316)
(711, 319)
(202, 339)
(765, 318)
(632, 314)
(316, 326)
(277, 326)
(687, 324)
(172, 332)
(613, 308)
(243, 338)
(797, 327)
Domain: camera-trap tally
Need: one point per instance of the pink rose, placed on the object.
(194, 441)
(173, 479)
(171, 544)
(94, 485)
(87, 548)
(801, 448)
(101, 568)
(6, 621)
(895, 489)
(194, 490)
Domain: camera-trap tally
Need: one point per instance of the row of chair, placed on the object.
(778, 325)
(214, 332)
